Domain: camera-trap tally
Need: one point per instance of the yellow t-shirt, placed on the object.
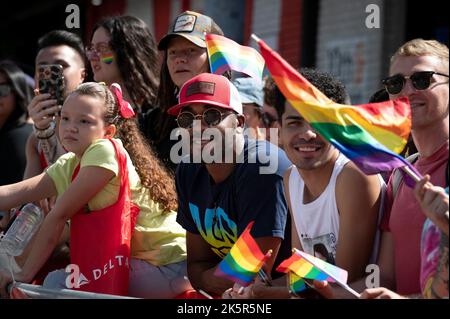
(157, 237)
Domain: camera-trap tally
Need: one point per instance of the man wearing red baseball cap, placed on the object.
(217, 199)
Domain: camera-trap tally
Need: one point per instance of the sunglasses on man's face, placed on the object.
(210, 117)
(5, 90)
(420, 81)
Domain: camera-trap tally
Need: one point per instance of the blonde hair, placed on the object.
(421, 47)
(152, 173)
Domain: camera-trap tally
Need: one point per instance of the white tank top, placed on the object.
(317, 222)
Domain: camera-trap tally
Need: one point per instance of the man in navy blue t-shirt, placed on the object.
(226, 182)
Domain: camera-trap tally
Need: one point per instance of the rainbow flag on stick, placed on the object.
(244, 260)
(225, 54)
(370, 135)
(296, 283)
(310, 267)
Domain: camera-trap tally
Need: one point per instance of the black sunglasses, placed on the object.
(5, 90)
(210, 117)
(420, 80)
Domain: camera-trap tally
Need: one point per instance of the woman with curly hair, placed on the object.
(123, 51)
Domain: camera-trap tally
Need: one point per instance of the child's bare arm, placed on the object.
(29, 190)
(85, 186)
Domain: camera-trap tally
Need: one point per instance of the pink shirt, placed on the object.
(404, 219)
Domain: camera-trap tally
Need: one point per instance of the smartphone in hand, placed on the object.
(51, 81)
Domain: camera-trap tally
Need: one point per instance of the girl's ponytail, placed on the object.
(152, 174)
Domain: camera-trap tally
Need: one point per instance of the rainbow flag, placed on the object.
(243, 261)
(296, 283)
(370, 135)
(225, 54)
(310, 267)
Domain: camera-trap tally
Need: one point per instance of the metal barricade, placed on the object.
(39, 292)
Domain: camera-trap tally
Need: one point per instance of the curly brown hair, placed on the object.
(153, 175)
(137, 57)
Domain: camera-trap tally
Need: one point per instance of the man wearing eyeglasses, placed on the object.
(419, 71)
(217, 199)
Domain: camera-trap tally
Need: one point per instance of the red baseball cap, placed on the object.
(209, 89)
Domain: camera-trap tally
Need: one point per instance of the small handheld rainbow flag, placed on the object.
(244, 260)
(370, 135)
(310, 267)
(225, 54)
(296, 283)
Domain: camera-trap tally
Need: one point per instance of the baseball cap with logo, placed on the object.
(192, 26)
(209, 89)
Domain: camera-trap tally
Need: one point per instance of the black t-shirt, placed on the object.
(220, 212)
(13, 160)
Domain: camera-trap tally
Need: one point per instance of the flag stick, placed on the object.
(411, 174)
(204, 293)
(349, 289)
(209, 59)
(265, 279)
(262, 274)
(254, 37)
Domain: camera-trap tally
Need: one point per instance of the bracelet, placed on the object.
(40, 129)
(46, 137)
(45, 134)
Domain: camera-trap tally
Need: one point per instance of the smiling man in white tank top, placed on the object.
(334, 206)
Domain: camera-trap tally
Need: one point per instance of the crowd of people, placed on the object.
(139, 223)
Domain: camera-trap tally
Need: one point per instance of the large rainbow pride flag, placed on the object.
(370, 135)
(225, 54)
(243, 261)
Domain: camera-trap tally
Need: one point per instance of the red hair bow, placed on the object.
(125, 109)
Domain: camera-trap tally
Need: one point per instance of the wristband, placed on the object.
(45, 137)
(46, 133)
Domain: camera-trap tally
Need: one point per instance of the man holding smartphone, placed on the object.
(43, 147)
(60, 48)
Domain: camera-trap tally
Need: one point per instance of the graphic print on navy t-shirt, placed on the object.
(217, 229)
(219, 212)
